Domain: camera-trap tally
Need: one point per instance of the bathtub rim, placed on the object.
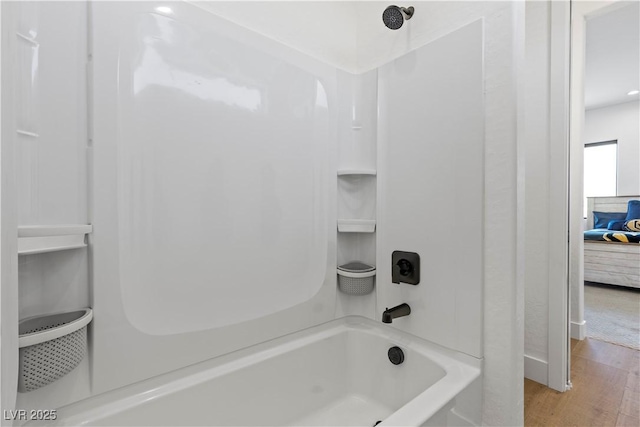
(460, 371)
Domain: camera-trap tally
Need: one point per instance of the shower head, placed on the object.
(394, 16)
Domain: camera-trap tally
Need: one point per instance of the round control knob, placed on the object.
(405, 267)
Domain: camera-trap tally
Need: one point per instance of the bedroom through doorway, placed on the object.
(610, 288)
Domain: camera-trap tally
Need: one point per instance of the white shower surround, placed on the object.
(499, 14)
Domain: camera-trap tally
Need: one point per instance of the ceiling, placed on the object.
(613, 57)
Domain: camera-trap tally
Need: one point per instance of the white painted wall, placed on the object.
(622, 123)
(537, 191)
(545, 160)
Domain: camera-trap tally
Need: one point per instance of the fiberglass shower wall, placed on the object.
(431, 173)
(214, 189)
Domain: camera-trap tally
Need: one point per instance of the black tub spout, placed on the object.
(395, 312)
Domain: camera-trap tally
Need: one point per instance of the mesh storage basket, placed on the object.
(356, 278)
(51, 346)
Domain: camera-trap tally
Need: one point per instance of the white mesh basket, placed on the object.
(51, 346)
(356, 278)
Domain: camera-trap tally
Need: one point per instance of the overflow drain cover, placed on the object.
(396, 355)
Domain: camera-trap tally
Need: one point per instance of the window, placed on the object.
(600, 170)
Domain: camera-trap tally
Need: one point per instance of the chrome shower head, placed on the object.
(394, 16)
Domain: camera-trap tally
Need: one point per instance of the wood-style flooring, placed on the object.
(606, 389)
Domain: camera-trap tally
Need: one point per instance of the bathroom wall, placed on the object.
(619, 122)
(214, 205)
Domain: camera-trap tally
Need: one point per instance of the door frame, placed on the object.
(558, 365)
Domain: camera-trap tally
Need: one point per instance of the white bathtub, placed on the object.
(334, 374)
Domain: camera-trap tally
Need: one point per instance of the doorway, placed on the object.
(604, 149)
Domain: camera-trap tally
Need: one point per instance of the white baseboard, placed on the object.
(536, 370)
(578, 330)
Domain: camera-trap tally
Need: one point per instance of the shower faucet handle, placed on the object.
(405, 267)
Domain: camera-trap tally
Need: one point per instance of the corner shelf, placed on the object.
(356, 225)
(36, 239)
(346, 172)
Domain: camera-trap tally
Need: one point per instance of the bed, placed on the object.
(611, 257)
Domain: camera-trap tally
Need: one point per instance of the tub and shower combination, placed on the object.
(230, 177)
(336, 374)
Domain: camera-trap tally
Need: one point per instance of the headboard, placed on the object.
(606, 204)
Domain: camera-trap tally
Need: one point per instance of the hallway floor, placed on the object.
(606, 389)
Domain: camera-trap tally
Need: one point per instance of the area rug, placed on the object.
(612, 314)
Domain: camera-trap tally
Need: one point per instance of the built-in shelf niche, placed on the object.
(357, 177)
(36, 239)
(356, 200)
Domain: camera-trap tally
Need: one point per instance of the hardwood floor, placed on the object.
(606, 389)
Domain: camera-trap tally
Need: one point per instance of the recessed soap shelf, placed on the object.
(36, 239)
(347, 172)
(356, 225)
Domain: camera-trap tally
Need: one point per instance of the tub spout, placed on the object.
(397, 311)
